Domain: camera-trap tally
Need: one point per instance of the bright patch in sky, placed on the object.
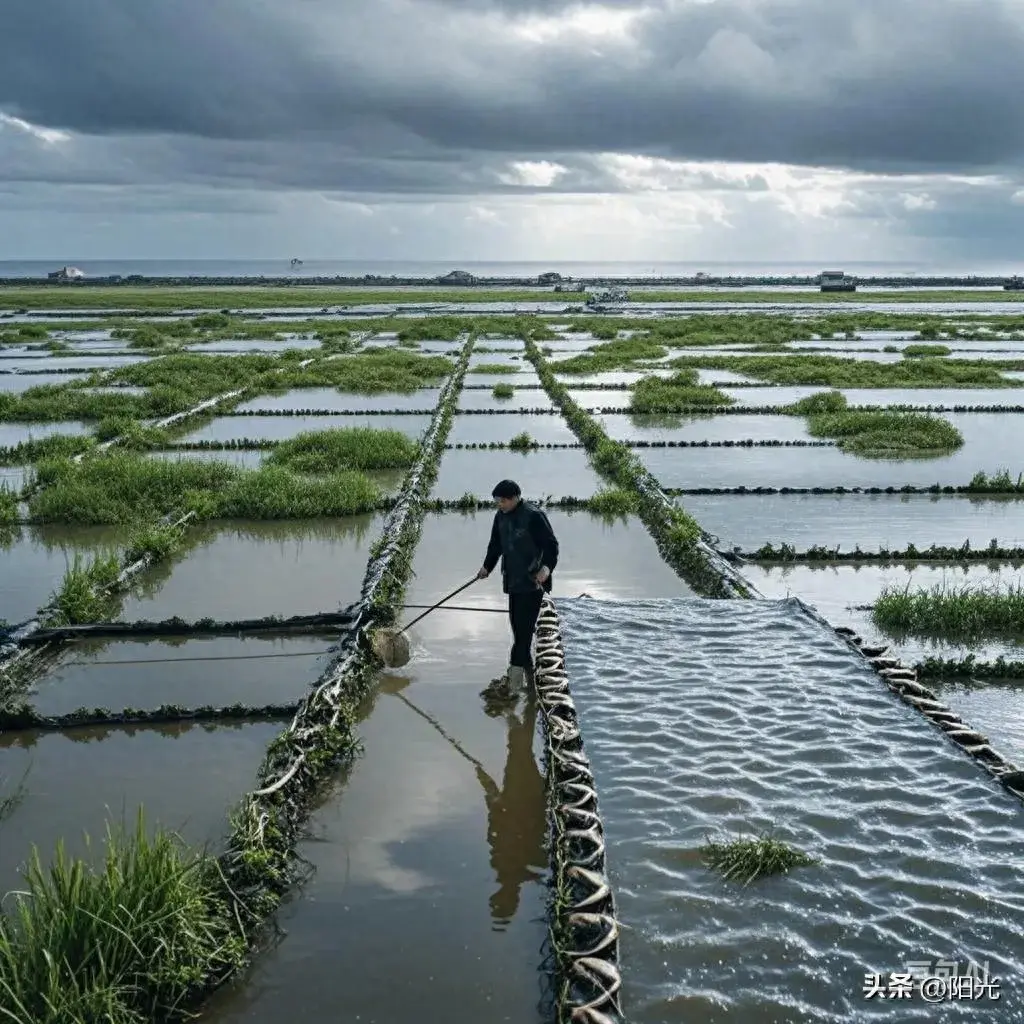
(47, 135)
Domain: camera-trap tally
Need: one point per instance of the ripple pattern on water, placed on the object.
(702, 716)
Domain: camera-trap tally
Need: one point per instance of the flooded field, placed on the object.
(539, 473)
(16, 433)
(186, 776)
(280, 428)
(868, 521)
(254, 569)
(698, 721)
(18, 382)
(665, 427)
(544, 429)
(333, 399)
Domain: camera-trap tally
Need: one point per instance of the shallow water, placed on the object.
(280, 428)
(499, 358)
(332, 398)
(251, 569)
(707, 716)
(996, 711)
(249, 458)
(16, 383)
(430, 862)
(34, 565)
(103, 362)
(187, 777)
(561, 474)
(607, 559)
(600, 399)
(917, 397)
(657, 427)
(525, 378)
(13, 477)
(531, 398)
(543, 428)
(871, 521)
(815, 467)
(148, 673)
(233, 345)
(16, 433)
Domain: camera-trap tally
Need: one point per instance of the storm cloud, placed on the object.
(891, 106)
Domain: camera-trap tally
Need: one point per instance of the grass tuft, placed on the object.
(330, 451)
(126, 943)
(522, 442)
(84, 594)
(614, 502)
(887, 433)
(503, 391)
(918, 351)
(952, 612)
(745, 860)
(679, 391)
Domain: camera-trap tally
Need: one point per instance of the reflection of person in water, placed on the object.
(516, 818)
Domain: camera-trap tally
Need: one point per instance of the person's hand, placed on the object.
(482, 573)
(542, 575)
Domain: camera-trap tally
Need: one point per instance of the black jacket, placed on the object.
(524, 541)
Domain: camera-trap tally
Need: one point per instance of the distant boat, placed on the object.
(296, 263)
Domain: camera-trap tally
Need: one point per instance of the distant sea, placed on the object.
(435, 268)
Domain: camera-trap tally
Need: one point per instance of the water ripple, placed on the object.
(701, 716)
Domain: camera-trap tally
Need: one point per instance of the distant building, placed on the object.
(836, 281)
(1014, 284)
(570, 286)
(549, 278)
(66, 274)
(457, 277)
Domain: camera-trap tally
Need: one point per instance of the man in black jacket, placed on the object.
(524, 541)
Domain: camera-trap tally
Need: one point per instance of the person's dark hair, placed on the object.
(506, 489)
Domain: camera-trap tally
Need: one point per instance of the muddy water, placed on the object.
(187, 778)
(280, 428)
(253, 569)
(430, 863)
(331, 398)
(34, 565)
(540, 473)
(816, 467)
(607, 559)
(656, 427)
(18, 382)
(533, 398)
(149, 673)
(871, 521)
(16, 433)
(701, 718)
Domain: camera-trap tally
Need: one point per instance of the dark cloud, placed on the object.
(434, 90)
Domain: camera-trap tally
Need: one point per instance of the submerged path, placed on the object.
(703, 717)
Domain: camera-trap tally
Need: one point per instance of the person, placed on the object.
(522, 538)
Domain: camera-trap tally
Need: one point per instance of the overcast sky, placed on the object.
(513, 129)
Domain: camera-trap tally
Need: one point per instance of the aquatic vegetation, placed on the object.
(824, 401)
(10, 801)
(916, 351)
(680, 391)
(965, 611)
(886, 432)
(835, 372)
(745, 860)
(970, 668)
(1000, 483)
(614, 502)
(503, 391)
(8, 506)
(495, 368)
(327, 451)
(612, 356)
(85, 592)
(273, 492)
(54, 446)
(368, 372)
(522, 442)
(132, 941)
(124, 487)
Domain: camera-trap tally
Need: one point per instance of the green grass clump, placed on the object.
(745, 860)
(125, 943)
(964, 612)
(85, 592)
(917, 351)
(124, 487)
(614, 355)
(522, 442)
(503, 391)
(328, 451)
(835, 372)
(8, 506)
(680, 391)
(374, 371)
(272, 492)
(495, 368)
(614, 502)
(886, 432)
(824, 401)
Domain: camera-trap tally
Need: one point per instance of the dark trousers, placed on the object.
(523, 610)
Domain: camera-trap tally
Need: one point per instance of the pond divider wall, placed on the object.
(583, 924)
(902, 681)
(786, 554)
(679, 538)
(259, 857)
(970, 668)
(20, 717)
